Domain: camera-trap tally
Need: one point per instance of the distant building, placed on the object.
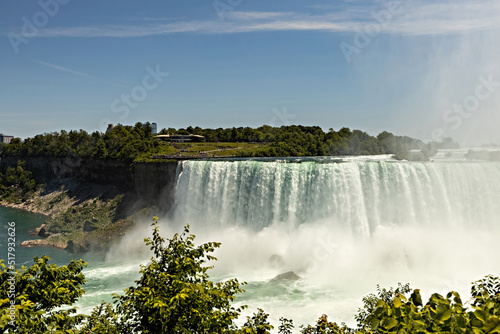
(154, 128)
(181, 138)
(110, 128)
(5, 139)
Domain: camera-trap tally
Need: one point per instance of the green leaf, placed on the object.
(374, 323)
(443, 312)
(480, 314)
(389, 323)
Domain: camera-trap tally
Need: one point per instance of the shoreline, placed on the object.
(27, 207)
(73, 223)
(48, 202)
(48, 206)
(45, 242)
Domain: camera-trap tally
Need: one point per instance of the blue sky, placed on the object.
(423, 68)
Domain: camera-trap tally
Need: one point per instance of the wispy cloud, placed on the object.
(67, 70)
(416, 18)
(154, 19)
(255, 15)
(60, 68)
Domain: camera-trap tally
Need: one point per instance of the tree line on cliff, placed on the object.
(16, 184)
(129, 143)
(123, 143)
(175, 295)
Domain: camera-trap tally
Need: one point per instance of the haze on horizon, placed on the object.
(426, 69)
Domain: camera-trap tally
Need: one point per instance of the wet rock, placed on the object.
(49, 242)
(288, 276)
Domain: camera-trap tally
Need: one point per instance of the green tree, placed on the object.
(16, 184)
(38, 293)
(103, 320)
(174, 293)
(14, 148)
(323, 326)
(286, 326)
(257, 324)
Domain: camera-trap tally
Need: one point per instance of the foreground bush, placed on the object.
(38, 293)
(174, 294)
(393, 312)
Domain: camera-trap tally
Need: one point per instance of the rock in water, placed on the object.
(288, 276)
(49, 242)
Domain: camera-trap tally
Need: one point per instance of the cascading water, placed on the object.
(344, 226)
(358, 196)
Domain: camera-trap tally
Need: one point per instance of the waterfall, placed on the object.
(356, 196)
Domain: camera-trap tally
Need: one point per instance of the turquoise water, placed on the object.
(103, 277)
(25, 223)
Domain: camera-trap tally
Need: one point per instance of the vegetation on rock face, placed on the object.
(175, 295)
(85, 217)
(89, 225)
(16, 184)
(76, 223)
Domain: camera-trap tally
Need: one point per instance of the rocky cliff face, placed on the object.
(91, 201)
(150, 184)
(155, 183)
(46, 170)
